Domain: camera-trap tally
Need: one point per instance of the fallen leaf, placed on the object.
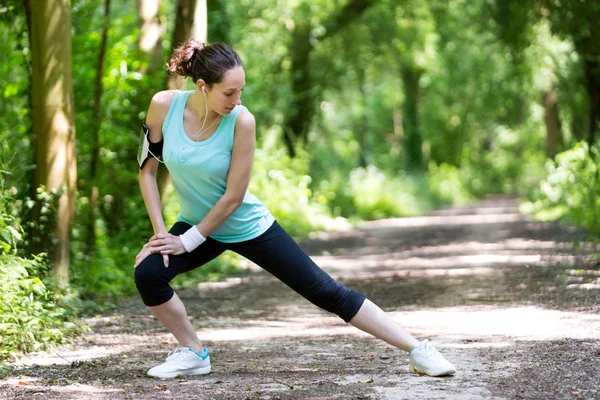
(21, 383)
(368, 357)
(370, 380)
(160, 387)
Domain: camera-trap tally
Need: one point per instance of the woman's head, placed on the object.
(216, 69)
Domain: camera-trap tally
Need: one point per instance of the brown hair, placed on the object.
(203, 62)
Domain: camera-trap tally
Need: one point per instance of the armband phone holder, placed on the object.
(146, 148)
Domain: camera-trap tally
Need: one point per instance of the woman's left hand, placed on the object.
(163, 244)
(166, 243)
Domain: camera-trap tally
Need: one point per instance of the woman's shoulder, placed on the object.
(159, 106)
(163, 99)
(245, 118)
(159, 109)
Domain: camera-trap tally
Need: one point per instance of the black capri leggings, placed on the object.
(274, 251)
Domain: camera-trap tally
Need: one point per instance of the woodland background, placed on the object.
(365, 109)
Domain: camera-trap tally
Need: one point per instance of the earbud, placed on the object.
(203, 89)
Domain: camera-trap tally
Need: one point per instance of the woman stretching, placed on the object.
(207, 139)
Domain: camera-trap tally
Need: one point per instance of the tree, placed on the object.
(304, 94)
(53, 117)
(95, 131)
(573, 20)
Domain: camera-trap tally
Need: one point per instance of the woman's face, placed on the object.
(224, 96)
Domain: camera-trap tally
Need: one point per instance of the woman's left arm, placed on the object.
(238, 178)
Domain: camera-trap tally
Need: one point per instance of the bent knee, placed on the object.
(151, 272)
(152, 280)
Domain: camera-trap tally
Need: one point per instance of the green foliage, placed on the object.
(459, 82)
(32, 314)
(283, 185)
(447, 184)
(571, 190)
(377, 196)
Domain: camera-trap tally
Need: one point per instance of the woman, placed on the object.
(207, 140)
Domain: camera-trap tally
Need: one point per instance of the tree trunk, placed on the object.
(554, 137)
(363, 134)
(151, 32)
(220, 26)
(592, 76)
(184, 22)
(299, 114)
(302, 104)
(53, 118)
(411, 121)
(95, 133)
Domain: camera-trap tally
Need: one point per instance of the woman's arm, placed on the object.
(159, 107)
(238, 178)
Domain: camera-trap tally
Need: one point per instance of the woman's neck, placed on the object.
(198, 107)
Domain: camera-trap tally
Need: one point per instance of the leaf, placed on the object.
(370, 380)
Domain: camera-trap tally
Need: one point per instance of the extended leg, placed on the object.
(373, 320)
(278, 253)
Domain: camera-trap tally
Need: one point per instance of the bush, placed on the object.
(571, 189)
(447, 184)
(32, 316)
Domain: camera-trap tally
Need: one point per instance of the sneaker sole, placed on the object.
(414, 369)
(189, 372)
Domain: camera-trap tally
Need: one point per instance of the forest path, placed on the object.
(513, 303)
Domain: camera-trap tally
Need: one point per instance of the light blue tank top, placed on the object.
(199, 174)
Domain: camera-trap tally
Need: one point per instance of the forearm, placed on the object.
(217, 215)
(151, 197)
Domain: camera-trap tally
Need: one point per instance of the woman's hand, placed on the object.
(163, 243)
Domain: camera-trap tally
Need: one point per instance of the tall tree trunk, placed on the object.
(592, 76)
(200, 23)
(363, 134)
(184, 22)
(95, 132)
(299, 113)
(554, 137)
(220, 25)
(302, 104)
(411, 121)
(151, 32)
(53, 118)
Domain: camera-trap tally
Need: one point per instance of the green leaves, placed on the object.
(571, 189)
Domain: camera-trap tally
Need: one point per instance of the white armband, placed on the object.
(191, 239)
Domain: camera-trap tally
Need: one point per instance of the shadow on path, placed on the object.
(512, 302)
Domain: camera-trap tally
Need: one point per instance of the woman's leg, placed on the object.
(152, 280)
(372, 319)
(174, 317)
(276, 252)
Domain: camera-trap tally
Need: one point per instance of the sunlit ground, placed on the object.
(406, 258)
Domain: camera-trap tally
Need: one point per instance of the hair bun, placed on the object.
(182, 60)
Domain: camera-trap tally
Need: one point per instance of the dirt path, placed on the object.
(513, 303)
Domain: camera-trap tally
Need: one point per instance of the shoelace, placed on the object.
(177, 353)
(429, 350)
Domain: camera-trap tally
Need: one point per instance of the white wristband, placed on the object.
(191, 239)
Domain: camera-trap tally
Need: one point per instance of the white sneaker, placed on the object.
(426, 360)
(182, 361)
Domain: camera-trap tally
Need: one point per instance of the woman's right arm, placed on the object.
(159, 107)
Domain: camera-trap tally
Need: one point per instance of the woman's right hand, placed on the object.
(148, 249)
